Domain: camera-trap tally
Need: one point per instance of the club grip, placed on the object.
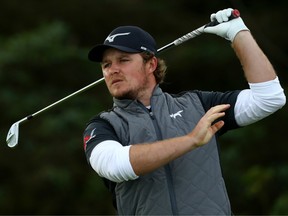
(235, 14)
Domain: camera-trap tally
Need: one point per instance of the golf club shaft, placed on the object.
(182, 39)
(235, 13)
(65, 98)
(186, 37)
(12, 136)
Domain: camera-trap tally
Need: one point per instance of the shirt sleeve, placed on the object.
(258, 102)
(97, 131)
(111, 160)
(105, 153)
(210, 99)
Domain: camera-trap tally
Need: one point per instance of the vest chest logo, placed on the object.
(174, 115)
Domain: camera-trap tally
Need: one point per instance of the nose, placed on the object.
(112, 69)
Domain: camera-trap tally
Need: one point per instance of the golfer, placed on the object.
(158, 152)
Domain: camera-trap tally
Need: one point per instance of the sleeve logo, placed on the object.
(87, 138)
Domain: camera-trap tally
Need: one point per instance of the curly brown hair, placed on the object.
(160, 70)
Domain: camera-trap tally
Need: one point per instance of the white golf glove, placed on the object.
(226, 29)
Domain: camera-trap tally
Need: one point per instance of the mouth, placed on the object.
(115, 81)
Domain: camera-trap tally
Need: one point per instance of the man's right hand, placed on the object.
(147, 157)
(207, 126)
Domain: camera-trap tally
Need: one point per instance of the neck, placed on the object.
(145, 98)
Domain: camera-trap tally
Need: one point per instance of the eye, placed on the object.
(105, 65)
(124, 59)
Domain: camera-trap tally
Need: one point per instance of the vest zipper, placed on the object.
(171, 189)
(167, 169)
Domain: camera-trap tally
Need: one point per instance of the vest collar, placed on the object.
(125, 103)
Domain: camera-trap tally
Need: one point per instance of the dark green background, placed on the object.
(43, 58)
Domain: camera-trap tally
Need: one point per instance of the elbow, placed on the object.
(117, 174)
(283, 100)
(113, 174)
(112, 163)
(271, 105)
(109, 172)
(280, 101)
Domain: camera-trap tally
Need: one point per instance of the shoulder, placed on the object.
(97, 130)
(98, 122)
(213, 98)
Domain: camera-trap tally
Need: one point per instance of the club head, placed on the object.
(13, 135)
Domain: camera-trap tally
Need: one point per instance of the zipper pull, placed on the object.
(151, 114)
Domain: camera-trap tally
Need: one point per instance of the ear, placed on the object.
(152, 64)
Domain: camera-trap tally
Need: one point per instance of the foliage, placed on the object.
(47, 173)
(43, 58)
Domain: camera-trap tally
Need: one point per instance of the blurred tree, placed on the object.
(36, 68)
(43, 57)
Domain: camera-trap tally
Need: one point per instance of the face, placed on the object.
(126, 75)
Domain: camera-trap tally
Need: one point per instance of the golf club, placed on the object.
(13, 134)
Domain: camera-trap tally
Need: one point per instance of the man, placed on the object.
(158, 152)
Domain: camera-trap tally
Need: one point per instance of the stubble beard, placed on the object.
(135, 93)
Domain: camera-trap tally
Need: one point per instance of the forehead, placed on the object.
(115, 53)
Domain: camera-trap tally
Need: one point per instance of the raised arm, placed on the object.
(265, 95)
(256, 66)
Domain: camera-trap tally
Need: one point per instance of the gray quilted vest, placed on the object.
(190, 185)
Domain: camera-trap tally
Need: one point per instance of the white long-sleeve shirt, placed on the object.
(111, 160)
